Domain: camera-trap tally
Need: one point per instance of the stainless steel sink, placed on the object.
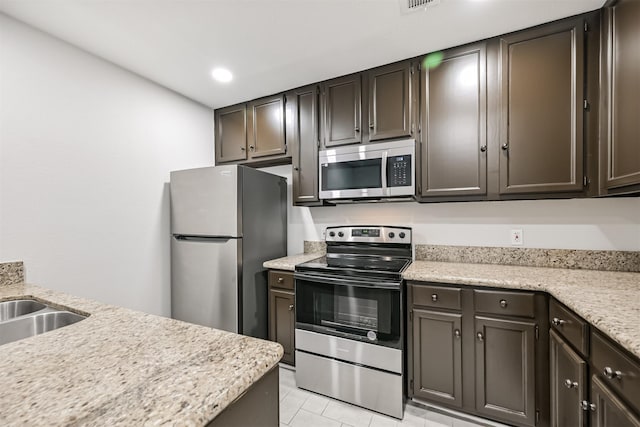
(25, 318)
(28, 326)
(16, 308)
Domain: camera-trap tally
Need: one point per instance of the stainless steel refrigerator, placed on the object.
(225, 222)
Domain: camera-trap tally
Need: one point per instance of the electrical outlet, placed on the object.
(516, 237)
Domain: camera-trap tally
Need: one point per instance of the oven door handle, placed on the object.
(347, 282)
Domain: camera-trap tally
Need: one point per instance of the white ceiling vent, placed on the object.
(409, 6)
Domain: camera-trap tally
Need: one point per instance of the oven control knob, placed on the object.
(402, 235)
(340, 234)
(332, 233)
(392, 235)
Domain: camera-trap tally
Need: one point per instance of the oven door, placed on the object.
(362, 310)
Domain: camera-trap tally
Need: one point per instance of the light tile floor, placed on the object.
(301, 408)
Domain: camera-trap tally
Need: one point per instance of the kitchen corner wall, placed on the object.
(605, 224)
(85, 154)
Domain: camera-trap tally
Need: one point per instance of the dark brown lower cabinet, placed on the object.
(282, 319)
(493, 366)
(437, 361)
(607, 410)
(505, 369)
(568, 384)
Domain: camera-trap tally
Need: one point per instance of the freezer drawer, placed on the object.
(204, 282)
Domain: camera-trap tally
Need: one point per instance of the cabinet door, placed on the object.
(231, 133)
(282, 322)
(505, 369)
(454, 121)
(568, 384)
(437, 356)
(609, 411)
(542, 96)
(342, 112)
(303, 139)
(621, 93)
(390, 113)
(266, 127)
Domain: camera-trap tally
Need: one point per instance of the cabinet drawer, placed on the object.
(570, 326)
(436, 296)
(616, 369)
(506, 303)
(280, 279)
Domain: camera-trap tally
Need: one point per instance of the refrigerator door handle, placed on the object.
(202, 238)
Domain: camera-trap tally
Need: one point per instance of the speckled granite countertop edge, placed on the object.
(609, 300)
(123, 367)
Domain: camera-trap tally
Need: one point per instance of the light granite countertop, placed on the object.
(609, 300)
(289, 263)
(123, 367)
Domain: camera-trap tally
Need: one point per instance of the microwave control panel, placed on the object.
(399, 171)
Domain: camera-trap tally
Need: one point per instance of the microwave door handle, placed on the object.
(383, 172)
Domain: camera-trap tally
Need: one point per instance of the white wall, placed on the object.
(85, 153)
(607, 224)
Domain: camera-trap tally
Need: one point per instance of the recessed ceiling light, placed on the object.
(222, 75)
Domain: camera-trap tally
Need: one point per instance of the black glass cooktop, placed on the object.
(351, 264)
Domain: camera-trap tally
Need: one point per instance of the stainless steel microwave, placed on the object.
(368, 171)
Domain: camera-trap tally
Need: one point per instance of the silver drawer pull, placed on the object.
(434, 297)
(280, 280)
(503, 303)
(570, 384)
(611, 374)
(480, 336)
(457, 333)
(558, 322)
(291, 307)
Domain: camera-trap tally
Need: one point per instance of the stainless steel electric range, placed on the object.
(349, 317)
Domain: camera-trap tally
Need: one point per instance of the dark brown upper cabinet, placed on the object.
(454, 124)
(265, 119)
(303, 139)
(342, 111)
(541, 97)
(620, 95)
(231, 133)
(390, 101)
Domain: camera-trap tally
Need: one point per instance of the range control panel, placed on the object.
(399, 171)
(369, 234)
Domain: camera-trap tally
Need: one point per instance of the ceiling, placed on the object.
(272, 45)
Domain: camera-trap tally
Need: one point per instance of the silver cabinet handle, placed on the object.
(243, 149)
(280, 279)
(586, 406)
(371, 125)
(570, 384)
(356, 129)
(480, 336)
(483, 148)
(503, 303)
(251, 147)
(558, 322)
(290, 307)
(612, 374)
(434, 297)
(295, 168)
(505, 147)
(456, 333)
